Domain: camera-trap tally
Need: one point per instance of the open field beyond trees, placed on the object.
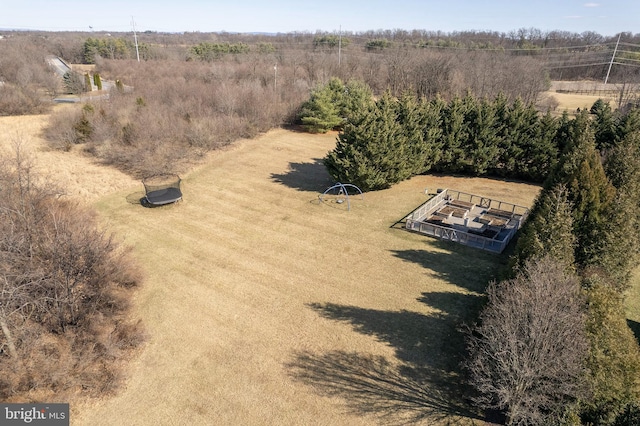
(264, 307)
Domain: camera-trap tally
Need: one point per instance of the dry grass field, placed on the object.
(571, 102)
(264, 307)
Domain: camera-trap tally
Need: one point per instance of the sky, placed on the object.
(606, 17)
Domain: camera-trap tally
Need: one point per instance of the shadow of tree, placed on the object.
(416, 338)
(311, 177)
(460, 308)
(395, 394)
(635, 327)
(426, 383)
(464, 267)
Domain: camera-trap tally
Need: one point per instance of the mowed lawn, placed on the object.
(264, 307)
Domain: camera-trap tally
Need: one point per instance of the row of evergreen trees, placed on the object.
(586, 219)
(386, 141)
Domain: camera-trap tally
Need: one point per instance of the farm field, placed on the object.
(571, 102)
(263, 306)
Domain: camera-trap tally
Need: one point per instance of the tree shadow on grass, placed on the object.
(461, 308)
(423, 381)
(635, 328)
(312, 177)
(464, 267)
(373, 386)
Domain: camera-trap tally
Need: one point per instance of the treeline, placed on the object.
(65, 287)
(315, 60)
(210, 51)
(384, 142)
(417, 61)
(397, 138)
(563, 54)
(401, 62)
(553, 345)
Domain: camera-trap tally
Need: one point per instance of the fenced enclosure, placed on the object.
(468, 219)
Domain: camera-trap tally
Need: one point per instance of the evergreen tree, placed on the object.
(605, 125)
(529, 148)
(629, 123)
(539, 152)
(620, 243)
(432, 133)
(411, 117)
(549, 230)
(483, 144)
(356, 96)
(563, 133)
(74, 82)
(614, 359)
(321, 112)
(371, 151)
(629, 416)
(454, 137)
(512, 117)
(97, 81)
(87, 82)
(590, 192)
(332, 104)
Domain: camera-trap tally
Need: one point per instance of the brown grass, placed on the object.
(571, 102)
(265, 307)
(79, 174)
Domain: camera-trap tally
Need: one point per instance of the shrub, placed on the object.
(97, 81)
(64, 291)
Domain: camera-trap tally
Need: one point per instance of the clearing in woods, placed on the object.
(263, 306)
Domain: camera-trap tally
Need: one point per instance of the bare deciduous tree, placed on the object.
(63, 290)
(527, 356)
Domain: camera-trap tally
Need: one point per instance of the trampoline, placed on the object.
(161, 189)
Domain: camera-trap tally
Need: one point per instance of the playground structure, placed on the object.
(468, 219)
(339, 194)
(161, 189)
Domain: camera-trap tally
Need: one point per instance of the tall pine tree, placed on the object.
(620, 243)
(549, 230)
(580, 169)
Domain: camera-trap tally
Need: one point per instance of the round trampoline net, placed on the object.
(162, 189)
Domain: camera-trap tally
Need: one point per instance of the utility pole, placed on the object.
(135, 37)
(275, 78)
(612, 58)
